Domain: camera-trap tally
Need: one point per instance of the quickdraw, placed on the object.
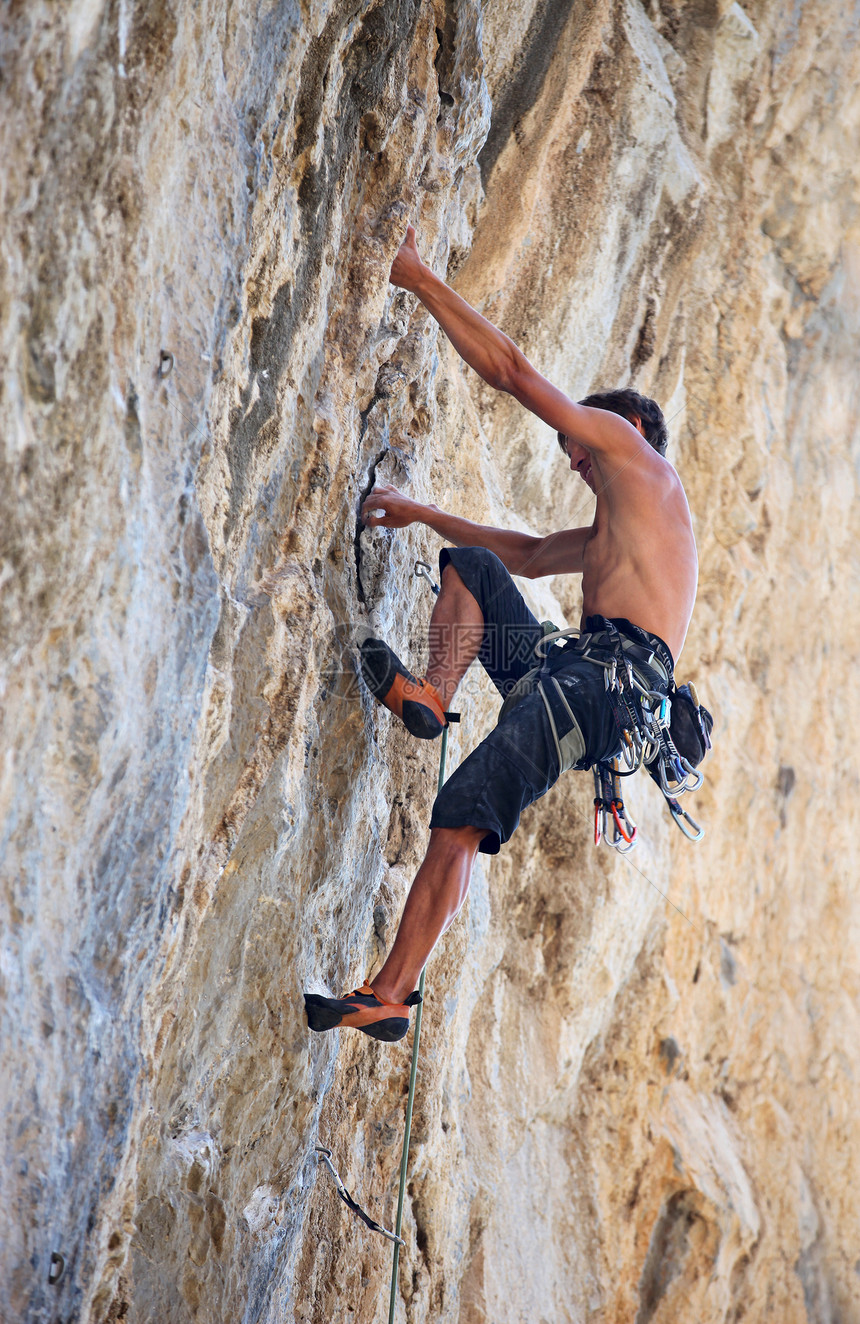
(612, 822)
(324, 1156)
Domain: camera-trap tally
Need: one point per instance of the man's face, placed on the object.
(580, 458)
(580, 461)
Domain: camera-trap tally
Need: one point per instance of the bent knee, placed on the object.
(476, 558)
(462, 838)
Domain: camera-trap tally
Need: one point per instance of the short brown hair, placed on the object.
(630, 404)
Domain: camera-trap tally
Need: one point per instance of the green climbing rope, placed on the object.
(404, 1162)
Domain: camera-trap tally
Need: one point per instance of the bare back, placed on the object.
(639, 561)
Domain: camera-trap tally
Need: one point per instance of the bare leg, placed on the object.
(442, 882)
(456, 630)
(433, 903)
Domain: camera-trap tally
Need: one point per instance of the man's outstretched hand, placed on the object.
(407, 266)
(398, 511)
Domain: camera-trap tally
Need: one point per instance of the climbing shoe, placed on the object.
(361, 1010)
(414, 701)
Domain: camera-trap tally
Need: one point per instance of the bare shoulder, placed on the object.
(645, 500)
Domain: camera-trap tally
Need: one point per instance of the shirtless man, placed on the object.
(639, 568)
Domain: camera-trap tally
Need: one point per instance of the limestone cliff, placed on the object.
(636, 1094)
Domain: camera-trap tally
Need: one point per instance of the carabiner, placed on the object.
(690, 771)
(628, 749)
(631, 839)
(422, 571)
(679, 814)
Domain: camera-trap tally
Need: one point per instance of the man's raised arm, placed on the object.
(495, 357)
(520, 553)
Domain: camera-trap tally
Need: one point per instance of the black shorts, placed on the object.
(518, 761)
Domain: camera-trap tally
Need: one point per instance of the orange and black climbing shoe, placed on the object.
(361, 1010)
(414, 701)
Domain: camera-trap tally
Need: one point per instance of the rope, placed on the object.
(422, 571)
(404, 1161)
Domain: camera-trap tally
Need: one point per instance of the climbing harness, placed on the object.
(325, 1157)
(668, 732)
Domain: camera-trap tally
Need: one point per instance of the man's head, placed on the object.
(630, 404)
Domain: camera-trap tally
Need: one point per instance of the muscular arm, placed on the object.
(521, 553)
(495, 357)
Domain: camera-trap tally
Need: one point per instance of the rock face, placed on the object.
(637, 1078)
